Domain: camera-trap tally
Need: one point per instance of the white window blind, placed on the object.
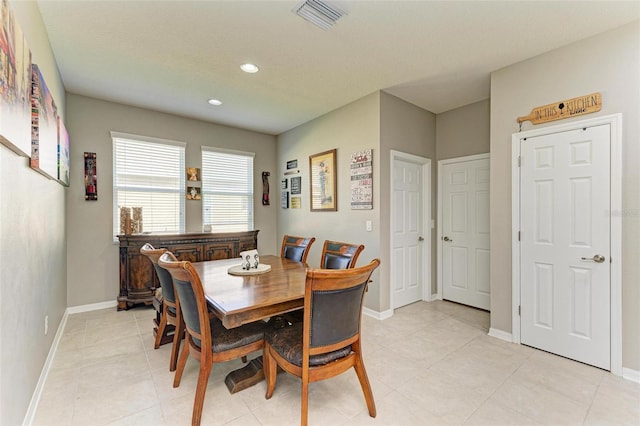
(227, 190)
(149, 173)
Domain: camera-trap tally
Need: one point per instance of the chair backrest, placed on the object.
(296, 248)
(163, 275)
(193, 304)
(337, 255)
(333, 307)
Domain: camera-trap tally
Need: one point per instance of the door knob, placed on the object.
(447, 239)
(420, 239)
(598, 258)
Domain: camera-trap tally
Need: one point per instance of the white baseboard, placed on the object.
(378, 315)
(502, 335)
(629, 374)
(37, 393)
(92, 307)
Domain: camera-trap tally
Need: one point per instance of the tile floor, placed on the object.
(430, 364)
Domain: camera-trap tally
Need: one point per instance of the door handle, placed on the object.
(598, 258)
(420, 239)
(447, 239)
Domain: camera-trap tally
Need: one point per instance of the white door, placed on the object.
(465, 232)
(407, 238)
(565, 244)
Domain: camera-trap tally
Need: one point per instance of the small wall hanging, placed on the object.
(193, 174)
(362, 180)
(90, 176)
(265, 188)
(193, 193)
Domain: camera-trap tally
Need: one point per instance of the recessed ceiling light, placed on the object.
(215, 102)
(250, 68)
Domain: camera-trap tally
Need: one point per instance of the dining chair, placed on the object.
(170, 309)
(337, 255)
(207, 340)
(327, 342)
(296, 248)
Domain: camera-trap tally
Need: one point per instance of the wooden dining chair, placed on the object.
(207, 340)
(327, 342)
(296, 248)
(170, 310)
(337, 255)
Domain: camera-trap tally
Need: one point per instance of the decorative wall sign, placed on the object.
(15, 84)
(564, 109)
(296, 202)
(323, 181)
(63, 153)
(292, 164)
(362, 180)
(284, 200)
(283, 184)
(296, 185)
(193, 193)
(90, 176)
(44, 127)
(193, 174)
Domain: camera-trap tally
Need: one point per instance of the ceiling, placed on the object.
(174, 55)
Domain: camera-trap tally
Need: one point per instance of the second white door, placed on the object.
(465, 232)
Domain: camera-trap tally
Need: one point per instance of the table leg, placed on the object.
(246, 376)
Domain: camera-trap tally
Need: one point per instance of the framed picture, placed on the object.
(193, 174)
(323, 181)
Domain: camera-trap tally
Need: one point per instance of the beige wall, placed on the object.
(378, 121)
(92, 255)
(607, 63)
(406, 128)
(352, 128)
(463, 131)
(33, 267)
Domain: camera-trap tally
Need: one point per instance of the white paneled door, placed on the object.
(407, 233)
(565, 244)
(465, 232)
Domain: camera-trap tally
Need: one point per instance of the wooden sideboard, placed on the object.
(138, 280)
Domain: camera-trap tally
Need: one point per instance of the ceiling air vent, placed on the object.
(318, 13)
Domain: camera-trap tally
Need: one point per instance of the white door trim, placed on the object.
(438, 295)
(426, 223)
(615, 123)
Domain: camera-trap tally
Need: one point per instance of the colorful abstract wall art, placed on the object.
(15, 84)
(44, 127)
(63, 153)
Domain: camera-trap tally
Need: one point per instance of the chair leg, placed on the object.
(201, 389)
(161, 327)
(270, 368)
(175, 349)
(305, 402)
(365, 385)
(244, 359)
(184, 355)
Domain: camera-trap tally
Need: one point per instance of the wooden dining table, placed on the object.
(242, 299)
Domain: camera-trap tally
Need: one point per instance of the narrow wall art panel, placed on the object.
(15, 84)
(44, 127)
(63, 153)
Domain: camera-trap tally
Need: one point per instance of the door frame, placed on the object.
(426, 221)
(439, 292)
(615, 123)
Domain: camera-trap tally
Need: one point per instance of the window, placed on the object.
(149, 173)
(227, 190)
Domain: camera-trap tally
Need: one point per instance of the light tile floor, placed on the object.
(430, 364)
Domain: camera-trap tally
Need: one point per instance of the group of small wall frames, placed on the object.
(29, 121)
(193, 178)
(291, 187)
(323, 182)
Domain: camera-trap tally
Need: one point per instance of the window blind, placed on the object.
(149, 173)
(227, 190)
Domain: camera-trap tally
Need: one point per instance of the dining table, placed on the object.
(240, 297)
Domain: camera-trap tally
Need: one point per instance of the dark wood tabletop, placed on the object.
(238, 300)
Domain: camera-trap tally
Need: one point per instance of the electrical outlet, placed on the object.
(46, 324)
(368, 225)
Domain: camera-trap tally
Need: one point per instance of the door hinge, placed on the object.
(519, 310)
(518, 235)
(519, 161)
